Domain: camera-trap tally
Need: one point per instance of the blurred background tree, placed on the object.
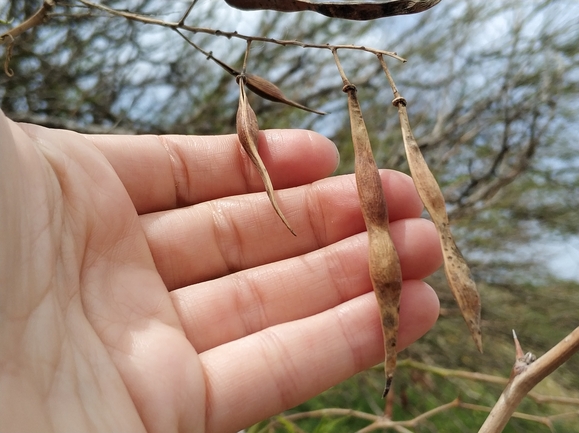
(492, 88)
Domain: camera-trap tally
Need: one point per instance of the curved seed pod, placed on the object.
(248, 131)
(267, 90)
(260, 86)
(351, 10)
(456, 269)
(383, 259)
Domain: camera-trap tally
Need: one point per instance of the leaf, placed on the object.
(351, 10)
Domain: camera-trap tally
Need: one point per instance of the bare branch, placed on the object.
(525, 378)
(481, 377)
(8, 37)
(446, 372)
(378, 422)
(148, 20)
(546, 420)
(35, 20)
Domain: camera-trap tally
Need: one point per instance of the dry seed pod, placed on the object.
(383, 259)
(456, 269)
(267, 90)
(248, 131)
(347, 9)
(261, 87)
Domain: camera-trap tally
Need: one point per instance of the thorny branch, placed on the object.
(526, 374)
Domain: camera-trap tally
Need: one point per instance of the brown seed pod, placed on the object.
(248, 132)
(384, 263)
(456, 269)
(260, 86)
(267, 90)
(347, 9)
(457, 272)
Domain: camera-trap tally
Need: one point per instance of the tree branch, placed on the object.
(180, 25)
(35, 20)
(8, 37)
(525, 377)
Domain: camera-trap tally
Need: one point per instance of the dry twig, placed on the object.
(377, 422)
(528, 372)
(258, 85)
(9, 37)
(283, 42)
(489, 378)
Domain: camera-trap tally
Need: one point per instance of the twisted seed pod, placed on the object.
(383, 259)
(248, 132)
(456, 269)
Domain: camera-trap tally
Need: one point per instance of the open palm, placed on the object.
(146, 284)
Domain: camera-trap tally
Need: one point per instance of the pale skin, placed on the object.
(146, 285)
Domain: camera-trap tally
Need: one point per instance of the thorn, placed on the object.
(518, 349)
(522, 360)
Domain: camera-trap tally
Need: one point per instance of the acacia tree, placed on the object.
(492, 97)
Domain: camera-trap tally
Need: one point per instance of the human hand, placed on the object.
(144, 286)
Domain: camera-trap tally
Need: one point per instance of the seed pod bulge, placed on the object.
(384, 264)
(267, 90)
(457, 272)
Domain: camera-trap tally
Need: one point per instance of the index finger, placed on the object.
(165, 172)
